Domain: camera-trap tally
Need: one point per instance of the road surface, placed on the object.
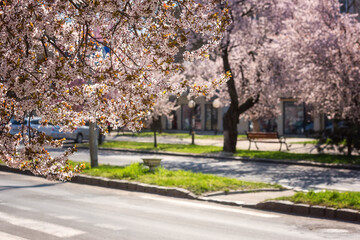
(35, 209)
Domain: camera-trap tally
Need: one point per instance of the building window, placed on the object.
(210, 117)
(186, 114)
(266, 125)
(296, 120)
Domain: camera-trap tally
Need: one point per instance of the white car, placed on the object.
(50, 130)
(78, 135)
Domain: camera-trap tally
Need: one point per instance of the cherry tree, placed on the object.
(80, 60)
(250, 54)
(325, 46)
(163, 106)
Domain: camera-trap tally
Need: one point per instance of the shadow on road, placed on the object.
(4, 188)
(296, 176)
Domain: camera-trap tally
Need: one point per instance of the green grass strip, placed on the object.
(176, 135)
(182, 148)
(314, 142)
(200, 149)
(198, 183)
(333, 199)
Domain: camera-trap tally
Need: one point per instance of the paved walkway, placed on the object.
(252, 198)
(293, 143)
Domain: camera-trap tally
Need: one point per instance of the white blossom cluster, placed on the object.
(325, 58)
(72, 61)
(306, 50)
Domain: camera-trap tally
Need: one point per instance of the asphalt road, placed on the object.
(299, 177)
(33, 208)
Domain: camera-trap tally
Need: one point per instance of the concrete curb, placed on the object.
(5, 168)
(224, 202)
(133, 186)
(117, 184)
(219, 193)
(309, 210)
(245, 159)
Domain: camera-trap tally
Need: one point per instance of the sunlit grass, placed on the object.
(183, 148)
(197, 183)
(328, 198)
(176, 135)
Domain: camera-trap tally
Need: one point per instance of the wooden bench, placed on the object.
(262, 136)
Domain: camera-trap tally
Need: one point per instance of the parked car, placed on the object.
(16, 125)
(50, 130)
(78, 135)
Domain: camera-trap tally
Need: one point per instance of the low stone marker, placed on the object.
(152, 163)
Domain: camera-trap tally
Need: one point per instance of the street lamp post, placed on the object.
(191, 105)
(216, 104)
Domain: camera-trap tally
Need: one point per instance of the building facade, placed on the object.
(294, 119)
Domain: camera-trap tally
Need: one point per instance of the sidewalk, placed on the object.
(293, 143)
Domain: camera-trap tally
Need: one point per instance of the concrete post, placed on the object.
(93, 144)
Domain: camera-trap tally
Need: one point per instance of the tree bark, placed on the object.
(230, 121)
(93, 144)
(349, 147)
(231, 117)
(256, 125)
(349, 141)
(154, 129)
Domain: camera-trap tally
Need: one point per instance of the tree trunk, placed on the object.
(230, 121)
(256, 125)
(155, 141)
(349, 143)
(154, 129)
(231, 117)
(349, 149)
(93, 144)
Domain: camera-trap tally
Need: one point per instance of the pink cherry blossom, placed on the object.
(122, 50)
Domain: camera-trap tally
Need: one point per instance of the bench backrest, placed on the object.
(264, 135)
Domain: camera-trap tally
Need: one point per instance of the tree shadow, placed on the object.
(303, 177)
(4, 188)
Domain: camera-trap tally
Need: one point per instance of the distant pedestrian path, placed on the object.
(296, 144)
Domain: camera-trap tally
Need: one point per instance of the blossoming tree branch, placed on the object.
(90, 60)
(275, 49)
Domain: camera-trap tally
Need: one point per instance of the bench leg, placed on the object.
(287, 148)
(256, 146)
(249, 145)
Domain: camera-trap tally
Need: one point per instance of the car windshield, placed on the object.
(34, 122)
(14, 122)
